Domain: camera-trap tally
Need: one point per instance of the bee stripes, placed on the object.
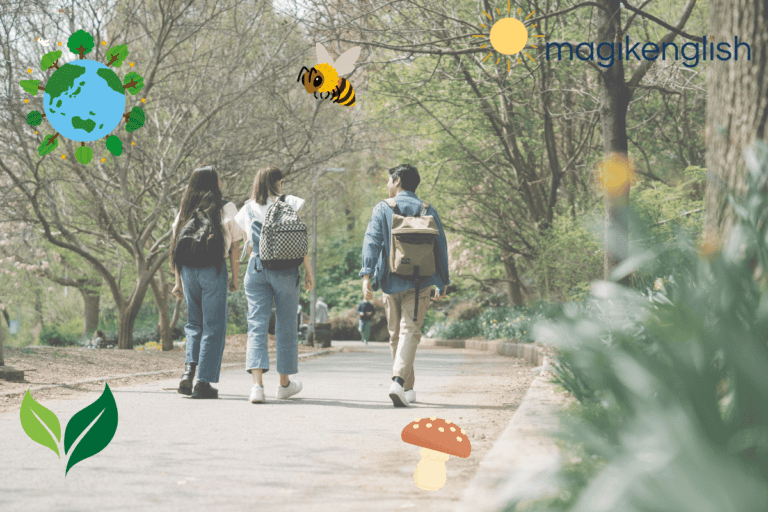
(344, 94)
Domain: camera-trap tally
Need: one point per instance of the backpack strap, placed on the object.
(281, 198)
(392, 204)
(424, 208)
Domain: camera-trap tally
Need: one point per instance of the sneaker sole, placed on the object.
(397, 400)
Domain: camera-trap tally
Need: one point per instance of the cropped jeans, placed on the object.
(261, 287)
(206, 329)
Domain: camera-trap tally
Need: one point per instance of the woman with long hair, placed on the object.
(202, 281)
(263, 285)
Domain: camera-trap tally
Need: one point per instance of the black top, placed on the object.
(366, 308)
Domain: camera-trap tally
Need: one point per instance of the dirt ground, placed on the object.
(495, 386)
(44, 365)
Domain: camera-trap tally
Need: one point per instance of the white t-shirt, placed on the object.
(229, 228)
(253, 211)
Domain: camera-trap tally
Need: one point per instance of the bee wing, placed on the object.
(323, 57)
(346, 63)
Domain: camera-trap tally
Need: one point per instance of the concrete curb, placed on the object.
(524, 453)
(177, 370)
(527, 351)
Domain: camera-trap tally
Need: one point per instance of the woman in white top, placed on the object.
(203, 283)
(263, 285)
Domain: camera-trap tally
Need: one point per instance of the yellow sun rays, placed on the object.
(508, 36)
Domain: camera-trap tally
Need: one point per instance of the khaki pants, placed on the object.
(404, 334)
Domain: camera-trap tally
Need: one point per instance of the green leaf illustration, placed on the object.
(133, 83)
(31, 86)
(81, 42)
(50, 143)
(35, 428)
(34, 118)
(98, 436)
(135, 119)
(84, 154)
(50, 59)
(116, 55)
(115, 145)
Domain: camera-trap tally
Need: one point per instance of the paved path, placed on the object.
(334, 447)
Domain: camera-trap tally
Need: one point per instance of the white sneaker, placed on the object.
(397, 394)
(293, 387)
(257, 394)
(410, 395)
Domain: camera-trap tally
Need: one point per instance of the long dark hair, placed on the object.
(265, 184)
(202, 192)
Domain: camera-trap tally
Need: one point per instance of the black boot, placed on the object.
(205, 390)
(185, 386)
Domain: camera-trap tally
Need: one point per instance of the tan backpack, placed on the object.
(412, 247)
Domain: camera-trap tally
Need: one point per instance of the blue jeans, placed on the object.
(365, 329)
(260, 288)
(206, 329)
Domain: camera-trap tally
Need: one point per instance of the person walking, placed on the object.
(262, 285)
(201, 276)
(321, 312)
(365, 311)
(399, 293)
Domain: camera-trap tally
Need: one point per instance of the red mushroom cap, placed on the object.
(439, 435)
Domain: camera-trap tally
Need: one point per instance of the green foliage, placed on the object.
(568, 254)
(237, 312)
(48, 145)
(117, 55)
(49, 59)
(499, 323)
(114, 145)
(66, 335)
(83, 154)
(135, 119)
(34, 118)
(135, 79)
(31, 86)
(80, 43)
(671, 381)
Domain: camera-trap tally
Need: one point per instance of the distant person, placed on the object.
(201, 276)
(365, 311)
(262, 285)
(99, 340)
(298, 319)
(399, 293)
(321, 312)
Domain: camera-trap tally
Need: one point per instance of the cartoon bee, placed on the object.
(324, 77)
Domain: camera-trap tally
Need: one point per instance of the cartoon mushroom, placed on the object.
(438, 439)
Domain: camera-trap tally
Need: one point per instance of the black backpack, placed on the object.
(197, 245)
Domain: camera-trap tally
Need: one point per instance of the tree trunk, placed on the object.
(614, 101)
(128, 313)
(161, 292)
(513, 284)
(91, 308)
(2, 340)
(176, 314)
(737, 106)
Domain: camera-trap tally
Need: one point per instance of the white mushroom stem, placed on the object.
(430, 473)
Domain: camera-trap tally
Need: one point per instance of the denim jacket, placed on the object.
(377, 241)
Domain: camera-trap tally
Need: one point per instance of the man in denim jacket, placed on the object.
(399, 294)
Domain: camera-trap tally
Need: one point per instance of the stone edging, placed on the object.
(524, 454)
(117, 377)
(528, 351)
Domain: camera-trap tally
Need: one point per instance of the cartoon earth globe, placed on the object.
(84, 100)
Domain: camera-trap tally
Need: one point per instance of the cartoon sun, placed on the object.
(508, 36)
(84, 100)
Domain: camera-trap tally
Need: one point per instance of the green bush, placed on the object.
(52, 336)
(499, 323)
(671, 381)
(568, 254)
